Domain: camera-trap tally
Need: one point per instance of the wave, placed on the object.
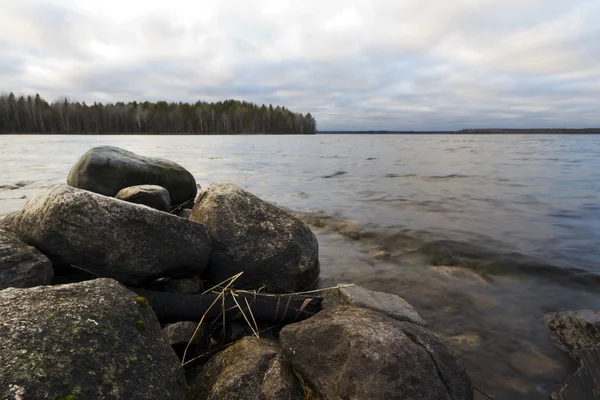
(483, 256)
(338, 173)
(15, 186)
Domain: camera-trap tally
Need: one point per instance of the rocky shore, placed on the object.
(129, 283)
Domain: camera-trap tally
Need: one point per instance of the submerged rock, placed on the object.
(356, 353)
(271, 247)
(252, 368)
(185, 285)
(153, 196)
(22, 266)
(385, 303)
(109, 237)
(107, 169)
(578, 332)
(90, 340)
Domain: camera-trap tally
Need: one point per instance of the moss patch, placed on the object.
(142, 301)
(140, 325)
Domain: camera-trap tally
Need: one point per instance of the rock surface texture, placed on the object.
(252, 368)
(107, 169)
(356, 353)
(153, 196)
(90, 340)
(385, 303)
(22, 266)
(271, 247)
(110, 238)
(578, 332)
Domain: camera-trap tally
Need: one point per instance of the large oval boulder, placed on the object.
(153, 196)
(272, 248)
(110, 238)
(89, 340)
(356, 353)
(252, 368)
(22, 266)
(107, 169)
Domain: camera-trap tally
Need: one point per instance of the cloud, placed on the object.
(354, 64)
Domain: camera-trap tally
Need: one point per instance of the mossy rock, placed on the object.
(82, 341)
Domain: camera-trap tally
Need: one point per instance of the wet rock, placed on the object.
(578, 332)
(185, 285)
(22, 266)
(110, 238)
(252, 368)
(90, 340)
(107, 169)
(574, 330)
(153, 196)
(385, 303)
(271, 247)
(357, 353)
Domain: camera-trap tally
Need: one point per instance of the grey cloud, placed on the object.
(454, 65)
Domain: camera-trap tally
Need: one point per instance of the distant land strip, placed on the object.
(491, 131)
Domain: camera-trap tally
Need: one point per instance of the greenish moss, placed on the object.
(411, 337)
(142, 301)
(149, 357)
(67, 397)
(140, 325)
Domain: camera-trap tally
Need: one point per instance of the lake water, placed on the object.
(482, 234)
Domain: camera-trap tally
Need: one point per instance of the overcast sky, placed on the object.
(354, 64)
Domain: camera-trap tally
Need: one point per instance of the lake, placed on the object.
(482, 234)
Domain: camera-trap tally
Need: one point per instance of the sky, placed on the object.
(353, 64)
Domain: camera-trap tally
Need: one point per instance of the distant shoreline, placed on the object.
(533, 131)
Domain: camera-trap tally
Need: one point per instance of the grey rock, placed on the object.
(578, 332)
(153, 196)
(92, 340)
(22, 266)
(185, 285)
(107, 169)
(386, 303)
(109, 237)
(182, 332)
(271, 247)
(185, 213)
(357, 353)
(252, 368)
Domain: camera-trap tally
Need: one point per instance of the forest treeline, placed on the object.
(35, 115)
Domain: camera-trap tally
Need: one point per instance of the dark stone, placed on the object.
(107, 169)
(22, 266)
(185, 213)
(385, 303)
(185, 285)
(356, 353)
(153, 196)
(92, 340)
(252, 368)
(273, 249)
(180, 334)
(110, 238)
(578, 332)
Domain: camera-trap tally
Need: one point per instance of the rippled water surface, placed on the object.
(482, 234)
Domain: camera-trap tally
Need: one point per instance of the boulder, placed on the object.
(109, 237)
(357, 353)
(22, 266)
(107, 169)
(89, 340)
(273, 249)
(385, 303)
(153, 196)
(578, 332)
(252, 368)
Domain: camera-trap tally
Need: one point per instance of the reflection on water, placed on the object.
(482, 234)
